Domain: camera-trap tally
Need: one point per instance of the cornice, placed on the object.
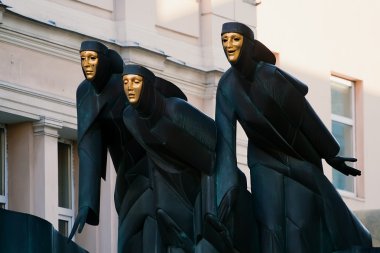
(162, 64)
(56, 42)
(25, 102)
(36, 44)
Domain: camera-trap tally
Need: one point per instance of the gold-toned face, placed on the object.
(89, 61)
(232, 43)
(133, 87)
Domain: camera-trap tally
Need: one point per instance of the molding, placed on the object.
(61, 48)
(152, 58)
(47, 127)
(33, 93)
(30, 42)
(31, 104)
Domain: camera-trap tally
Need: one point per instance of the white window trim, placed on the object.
(4, 198)
(67, 214)
(349, 121)
(341, 80)
(342, 119)
(68, 218)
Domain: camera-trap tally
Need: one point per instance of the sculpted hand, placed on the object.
(339, 163)
(80, 221)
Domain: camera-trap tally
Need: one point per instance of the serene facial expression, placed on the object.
(232, 43)
(132, 87)
(89, 61)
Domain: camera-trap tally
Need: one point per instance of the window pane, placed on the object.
(343, 182)
(2, 206)
(341, 99)
(2, 162)
(64, 175)
(343, 134)
(63, 227)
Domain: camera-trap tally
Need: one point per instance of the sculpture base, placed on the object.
(21, 232)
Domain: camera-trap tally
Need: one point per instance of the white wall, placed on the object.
(318, 37)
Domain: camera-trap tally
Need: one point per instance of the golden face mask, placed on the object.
(89, 61)
(232, 43)
(133, 87)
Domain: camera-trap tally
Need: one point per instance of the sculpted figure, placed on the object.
(180, 143)
(297, 209)
(100, 104)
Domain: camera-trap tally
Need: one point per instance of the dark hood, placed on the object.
(252, 51)
(109, 63)
(168, 89)
(147, 101)
(152, 90)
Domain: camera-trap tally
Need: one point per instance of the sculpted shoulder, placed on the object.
(272, 73)
(191, 120)
(226, 81)
(178, 109)
(226, 76)
(83, 88)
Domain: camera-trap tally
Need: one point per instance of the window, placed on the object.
(65, 188)
(343, 127)
(3, 170)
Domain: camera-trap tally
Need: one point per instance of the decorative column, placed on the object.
(45, 169)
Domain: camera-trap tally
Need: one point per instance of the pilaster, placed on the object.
(46, 168)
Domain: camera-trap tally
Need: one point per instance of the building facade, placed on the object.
(178, 40)
(40, 70)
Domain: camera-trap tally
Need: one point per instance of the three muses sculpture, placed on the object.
(179, 188)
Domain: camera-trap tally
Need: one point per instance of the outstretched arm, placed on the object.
(92, 161)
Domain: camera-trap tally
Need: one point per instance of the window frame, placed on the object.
(353, 122)
(67, 214)
(4, 198)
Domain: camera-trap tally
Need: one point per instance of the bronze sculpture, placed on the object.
(173, 133)
(296, 207)
(169, 195)
(100, 103)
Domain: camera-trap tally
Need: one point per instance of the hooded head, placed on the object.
(99, 63)
(139, 88)
(145, 91)
(242, 50)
